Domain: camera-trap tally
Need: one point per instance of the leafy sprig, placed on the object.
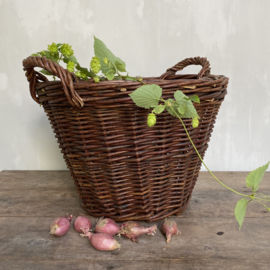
(103, 65)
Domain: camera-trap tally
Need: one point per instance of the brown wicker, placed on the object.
(122, 168)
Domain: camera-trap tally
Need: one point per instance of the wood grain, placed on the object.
(210, 239)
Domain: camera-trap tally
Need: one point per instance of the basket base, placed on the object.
(155, 217)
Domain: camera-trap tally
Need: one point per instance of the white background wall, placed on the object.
(150, 36)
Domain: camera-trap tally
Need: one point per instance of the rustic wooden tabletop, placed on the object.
(210, 239)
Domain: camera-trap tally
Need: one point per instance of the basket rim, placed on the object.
(70, 83)
(211, 79)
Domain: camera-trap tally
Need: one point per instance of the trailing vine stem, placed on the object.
(262, 204)
(134, 78)
(149, 96)
(252, 197)
(201, 157)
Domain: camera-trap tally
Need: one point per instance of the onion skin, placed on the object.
(60, 226)
(82, 224)
(169, 228)
(132, 230)
(102, 241)
(107, 226)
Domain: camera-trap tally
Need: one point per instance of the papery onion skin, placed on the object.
(82, 224)
(102, 241)
(132, 230)
(169, 228)
(60, 226)
(107, 226)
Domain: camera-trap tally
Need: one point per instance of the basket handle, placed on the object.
(55, 69)
(189, 61)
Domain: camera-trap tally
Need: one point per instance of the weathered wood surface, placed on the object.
(30, 200)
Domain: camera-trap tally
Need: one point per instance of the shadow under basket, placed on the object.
(123, 169)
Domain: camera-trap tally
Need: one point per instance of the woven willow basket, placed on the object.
(122, 168)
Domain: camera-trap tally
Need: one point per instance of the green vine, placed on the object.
(106, 66)
(182, 107)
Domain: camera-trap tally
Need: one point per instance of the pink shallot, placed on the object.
(82, 224)
(107, 226)
(132, 230)
(60, 226)
(102, 241)
(169, 228)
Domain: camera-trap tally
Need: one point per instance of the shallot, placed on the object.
(132, 230)
(102, 241)
(169, 228)
(107, 226)
(82, 224)
(60, 225)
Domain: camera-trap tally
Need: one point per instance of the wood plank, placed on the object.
(30, 193)
(159, 264)
(198, 245)
(30, 200)
(35, 180)
(42, 203)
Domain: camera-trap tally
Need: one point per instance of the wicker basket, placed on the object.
(123, 169)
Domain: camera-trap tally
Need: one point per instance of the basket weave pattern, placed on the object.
(123, 169)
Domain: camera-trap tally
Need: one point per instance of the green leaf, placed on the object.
(147, 96)
(101, 51)
(195, 98)
(35, 54)
(56, 57)
(255, 177)
(190, 109)
(85, 71)
(71, 58)
(59, 44)
(182, 109)
(49, 56)
(159, 109)
(240, 211)
(102, 78)
(184, 106)
(44, 71)
(110, 75)
(179, 95)
(172, 109)
(120, 65)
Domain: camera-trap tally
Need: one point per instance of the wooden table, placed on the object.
(30, 200)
